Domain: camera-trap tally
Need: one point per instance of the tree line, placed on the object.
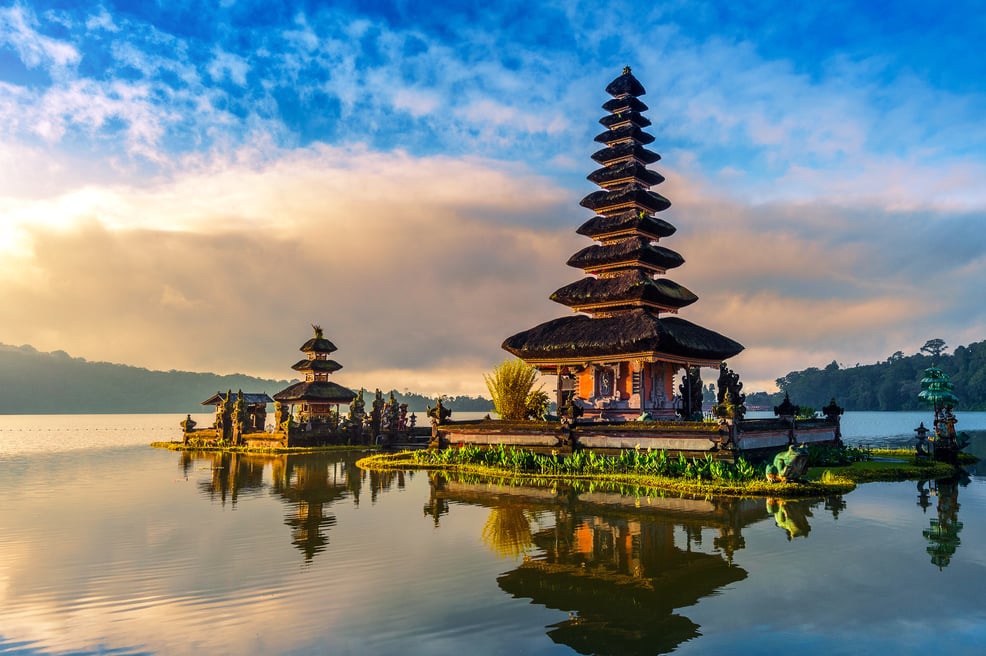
(35, 382)
(892, 384)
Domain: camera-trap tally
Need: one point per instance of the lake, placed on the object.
(108, 546)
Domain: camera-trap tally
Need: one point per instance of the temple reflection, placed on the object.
(943, 532)
(232, 473)
(308, 484)
(620, 566)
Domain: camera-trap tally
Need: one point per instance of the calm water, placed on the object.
(110, 547)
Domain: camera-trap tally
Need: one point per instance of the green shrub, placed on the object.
(511, 387)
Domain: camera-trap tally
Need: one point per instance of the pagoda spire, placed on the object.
(625, 266)
(617, 355)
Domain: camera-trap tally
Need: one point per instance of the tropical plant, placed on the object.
(511, 386)
(806, 412)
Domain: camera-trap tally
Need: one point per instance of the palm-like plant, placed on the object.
(511, 387)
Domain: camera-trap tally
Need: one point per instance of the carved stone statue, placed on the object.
(788, 465)
(281, 413)
(730, 399)
(239, 417)
(402, 418)
(188, 424)
(376, 414)
(357, 417)
(391, 415)
(439, 414)
(691, 394)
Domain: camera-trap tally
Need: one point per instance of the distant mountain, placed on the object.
(35, 382)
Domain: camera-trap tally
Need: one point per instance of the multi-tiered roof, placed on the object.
(316, 367)
(624, 292)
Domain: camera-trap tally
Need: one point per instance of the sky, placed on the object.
(191, 185)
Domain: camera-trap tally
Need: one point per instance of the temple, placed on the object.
(618, 357)
(316, 399)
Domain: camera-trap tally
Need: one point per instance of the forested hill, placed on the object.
(893, 384)
(34, 382)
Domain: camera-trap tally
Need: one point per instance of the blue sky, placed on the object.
(212, 179)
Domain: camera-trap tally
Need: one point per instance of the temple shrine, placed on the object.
(315, 399)
(305, 413)
(617, 358)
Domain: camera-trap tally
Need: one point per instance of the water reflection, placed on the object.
(792, 516)
(620, 566)
(507, 531)
(308, 485)
(943, 533)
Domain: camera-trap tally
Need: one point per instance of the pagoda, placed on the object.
(317, 397)
(618, 356)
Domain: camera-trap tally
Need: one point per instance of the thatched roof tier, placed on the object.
(624, 224)
(316, 391)
(626, 198)
(625, 103)
(628, 117)
(318, 345)
(624, 133)
(633, 289)
(623, 151)
(634, 252)
(625, 172)
(637, 333)
(248, 398)
(328, 366)
(625, 85)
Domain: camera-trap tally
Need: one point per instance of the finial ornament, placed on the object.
(318, 331)
(626, 70)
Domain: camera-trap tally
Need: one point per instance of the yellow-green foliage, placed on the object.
(511, 387)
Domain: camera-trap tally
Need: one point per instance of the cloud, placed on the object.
(804, 283)
(420, 267)
(101, 20)
(18, 31)
(224, 270)
(225, 64)
(427, 161)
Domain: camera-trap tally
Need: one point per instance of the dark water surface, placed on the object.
(110, 547)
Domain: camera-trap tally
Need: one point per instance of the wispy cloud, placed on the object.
(18, 30)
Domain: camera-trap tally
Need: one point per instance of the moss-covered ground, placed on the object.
(635, 474)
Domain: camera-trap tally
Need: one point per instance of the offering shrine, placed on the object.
(618, 356)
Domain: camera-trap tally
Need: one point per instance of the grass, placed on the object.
(655, 470)
(889, 465)
(628, 484)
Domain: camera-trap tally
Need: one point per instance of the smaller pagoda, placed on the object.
(315, 399)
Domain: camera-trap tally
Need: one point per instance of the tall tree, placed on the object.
(934, 347)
